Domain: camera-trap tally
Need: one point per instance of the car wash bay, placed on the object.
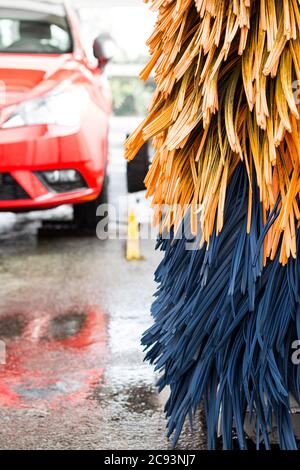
(72, 311)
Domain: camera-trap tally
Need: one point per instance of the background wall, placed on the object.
(129, 22)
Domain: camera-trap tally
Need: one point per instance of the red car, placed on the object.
(55, 105)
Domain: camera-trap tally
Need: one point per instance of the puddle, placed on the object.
(66, 326)
(141, 399)
(12, 326)
(52, 359)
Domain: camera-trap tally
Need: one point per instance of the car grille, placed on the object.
(10, 189)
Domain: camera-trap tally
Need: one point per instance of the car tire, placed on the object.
(137, 170)
(84, 215)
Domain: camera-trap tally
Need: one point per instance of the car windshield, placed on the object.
(36, 32)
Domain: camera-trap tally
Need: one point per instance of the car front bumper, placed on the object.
(26, 151)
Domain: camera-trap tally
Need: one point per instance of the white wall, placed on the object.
(130, 23)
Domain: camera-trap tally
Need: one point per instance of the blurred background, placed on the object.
(129, 23)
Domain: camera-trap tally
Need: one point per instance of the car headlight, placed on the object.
(62, 109)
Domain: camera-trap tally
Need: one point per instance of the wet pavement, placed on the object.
(72, 311)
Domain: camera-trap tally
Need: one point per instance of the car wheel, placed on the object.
(84, 215)
(137, 170)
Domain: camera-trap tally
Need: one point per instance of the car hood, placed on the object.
(28, 76)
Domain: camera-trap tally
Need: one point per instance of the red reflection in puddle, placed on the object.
(52, 360)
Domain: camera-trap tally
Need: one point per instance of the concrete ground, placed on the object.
(72, 311)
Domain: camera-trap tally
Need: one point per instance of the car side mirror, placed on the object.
(103, 50)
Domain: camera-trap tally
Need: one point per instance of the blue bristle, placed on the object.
(224, 326)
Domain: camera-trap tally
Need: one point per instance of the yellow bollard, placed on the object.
(133, 238)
